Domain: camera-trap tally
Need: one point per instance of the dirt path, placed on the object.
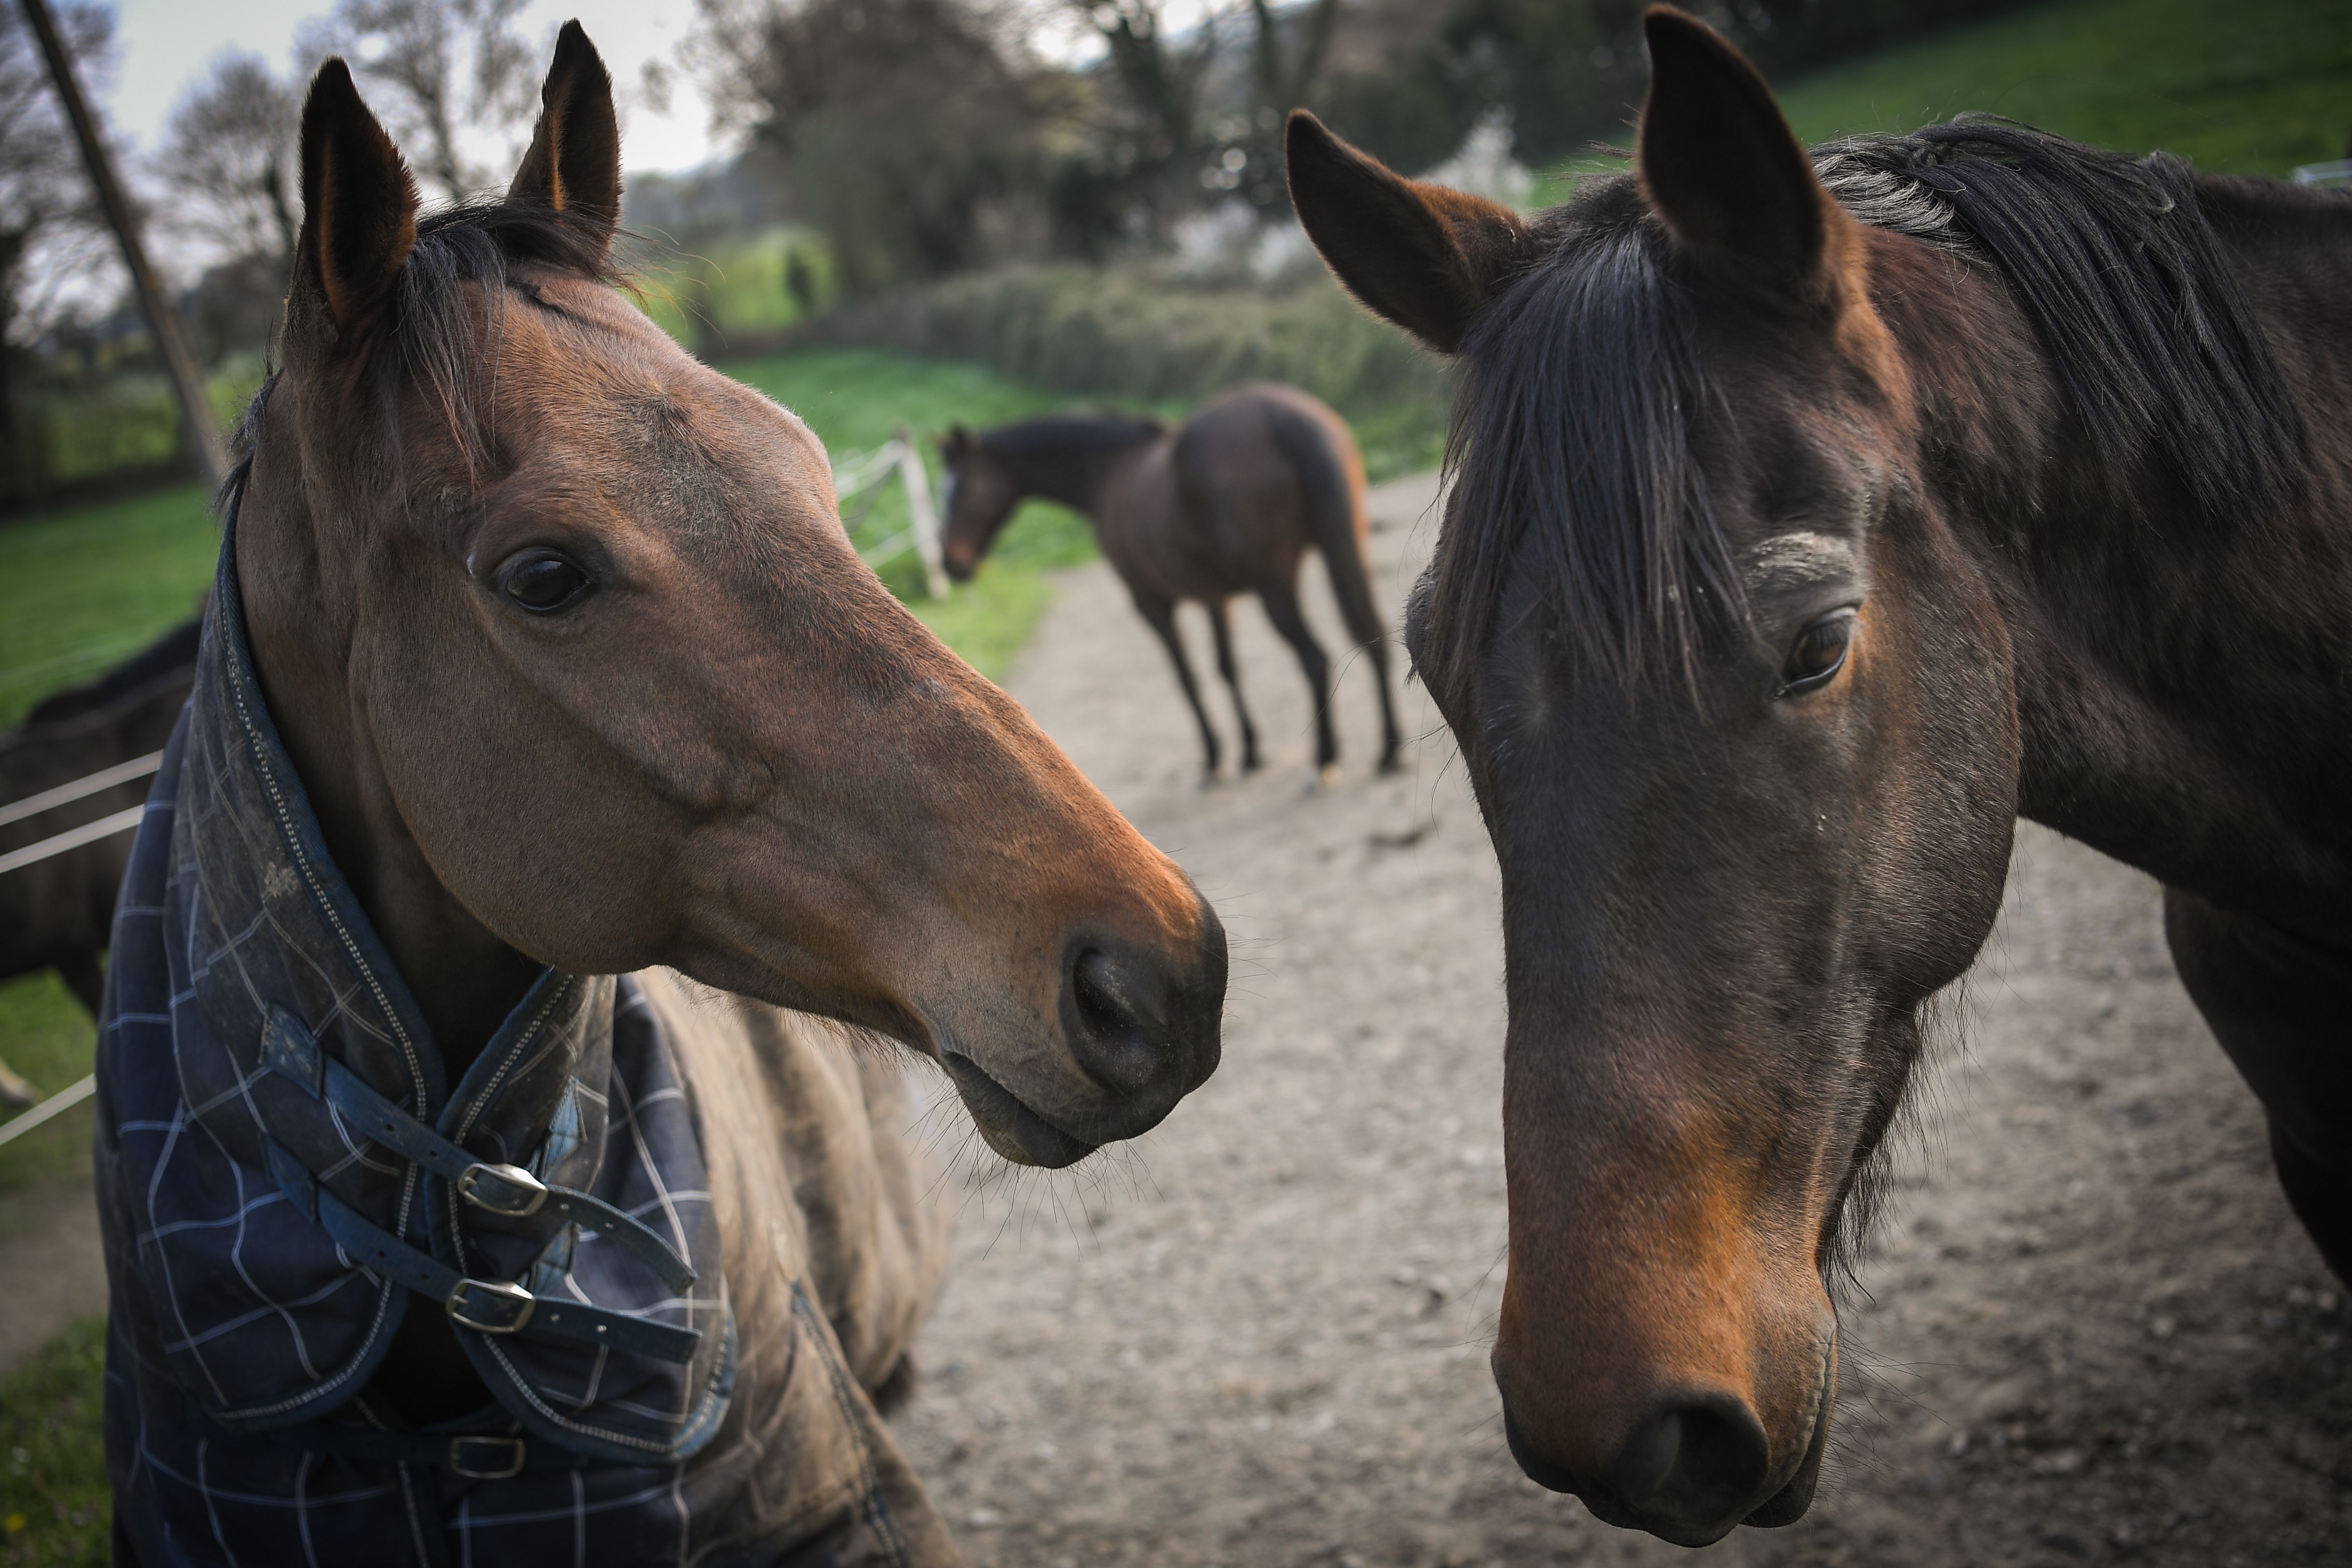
(2093, 1332)
(52, 1270)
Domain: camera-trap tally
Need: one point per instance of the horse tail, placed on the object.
(1331, 475)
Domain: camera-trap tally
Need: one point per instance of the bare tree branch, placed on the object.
(442, 67)
(230, 160)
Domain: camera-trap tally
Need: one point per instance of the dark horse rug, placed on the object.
(678, 1236)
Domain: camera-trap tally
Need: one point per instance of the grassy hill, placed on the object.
(2237, 88)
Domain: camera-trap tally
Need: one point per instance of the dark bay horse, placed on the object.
(485, 1172)
(1815, 518)
(1228, 503)
(55, 913)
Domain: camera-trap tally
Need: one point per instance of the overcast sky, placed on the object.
(164, 47)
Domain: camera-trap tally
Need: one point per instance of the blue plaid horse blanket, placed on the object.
(284, 1172)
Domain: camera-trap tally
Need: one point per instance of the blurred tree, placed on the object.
(1288, 47)
(440, 68)
(230, 162)
(908, 129)
(1149, 140)
(230, 159)
(51, 231)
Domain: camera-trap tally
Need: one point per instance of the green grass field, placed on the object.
(2235, 89)
(53, 1491)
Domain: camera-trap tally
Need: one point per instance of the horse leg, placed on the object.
(1161, 615)
(1281, 602)
(2275, 1002)
(1221, 620)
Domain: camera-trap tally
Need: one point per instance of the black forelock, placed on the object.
(1570, 454)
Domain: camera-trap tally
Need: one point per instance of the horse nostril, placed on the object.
(1122, 1017)
(1697, 1461)
(1647, 1460)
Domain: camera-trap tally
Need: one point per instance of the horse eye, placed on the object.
(1818, 653)
(543, 582)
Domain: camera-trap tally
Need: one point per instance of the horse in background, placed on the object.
(1228, 503)
(55, 913)
(1815, 518)
(498, 1155)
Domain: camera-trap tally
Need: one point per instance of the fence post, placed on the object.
(920, 512)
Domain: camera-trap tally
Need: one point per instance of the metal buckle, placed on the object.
(508, 1463)
(510, 1305)
(508, 1190)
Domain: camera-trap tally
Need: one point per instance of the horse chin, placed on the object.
(1009, 1127)
(1790, 1503)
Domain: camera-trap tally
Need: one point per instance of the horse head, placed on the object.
(1737, 709)
(979, 499)
(566, 639)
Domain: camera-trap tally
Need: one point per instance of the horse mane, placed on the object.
(1071, 435)
(2115, 263)
(242, 441)
(1578, 382)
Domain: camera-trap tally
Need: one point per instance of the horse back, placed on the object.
(1266, 472)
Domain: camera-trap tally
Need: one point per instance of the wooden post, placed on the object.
(920, 512)
(162, 321)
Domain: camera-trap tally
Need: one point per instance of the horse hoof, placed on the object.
(1211, 778)
(1392, 763)
(1326, 777)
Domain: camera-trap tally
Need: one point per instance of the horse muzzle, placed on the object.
(1691, 1463)
(1138, 1035)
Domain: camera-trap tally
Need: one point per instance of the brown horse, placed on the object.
(54, 914)
(539, 654)
(1229, 503)
(1815, 518)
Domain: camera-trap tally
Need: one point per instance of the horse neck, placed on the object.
(1075, 476)
(2162, 653)
(299, 619)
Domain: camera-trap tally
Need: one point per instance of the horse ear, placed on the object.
(1426, 256)
(1719, 164)
(575, 162)
(359, 204)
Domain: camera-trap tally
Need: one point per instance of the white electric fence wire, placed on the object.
(63, 1099)
(72, 838)
(121, 773)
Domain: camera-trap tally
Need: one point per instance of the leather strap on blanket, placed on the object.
(486, 1306)
(288, 1049)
